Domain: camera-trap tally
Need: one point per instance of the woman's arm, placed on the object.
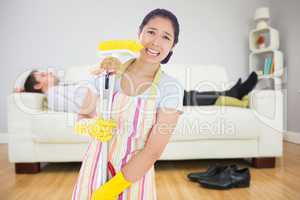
(159, 137)
(88, 106)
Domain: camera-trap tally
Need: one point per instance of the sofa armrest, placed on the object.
(268, 107)
(20, 108)
(27, 100)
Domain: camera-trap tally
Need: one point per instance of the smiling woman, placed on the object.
(147, 104)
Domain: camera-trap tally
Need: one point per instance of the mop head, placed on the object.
(99, 128)
(130, 45)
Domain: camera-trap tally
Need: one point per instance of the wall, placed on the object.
(285, 18)
(56, 33)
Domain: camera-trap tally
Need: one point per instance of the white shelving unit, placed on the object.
(269, 49)
(277, 76)
(271, 36)
(257, 61)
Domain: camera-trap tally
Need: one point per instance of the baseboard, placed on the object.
(293, 137)
(3, 138)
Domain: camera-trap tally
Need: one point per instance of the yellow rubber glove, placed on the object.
(99, 129)
(111, 189)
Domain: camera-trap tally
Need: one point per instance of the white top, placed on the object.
(66, 97)
(69, 97)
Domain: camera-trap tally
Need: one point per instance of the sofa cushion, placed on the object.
(216, 122)
(231, 101)
(196, 123)
(55, 127)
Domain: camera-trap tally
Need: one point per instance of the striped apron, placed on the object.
(135, 116)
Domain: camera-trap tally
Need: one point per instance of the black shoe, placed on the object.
(228, 178)
(248, 85)
(211, 171)
(234, 90)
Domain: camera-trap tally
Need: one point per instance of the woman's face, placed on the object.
(157, 37)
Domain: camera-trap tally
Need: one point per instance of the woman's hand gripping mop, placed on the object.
(102, 127)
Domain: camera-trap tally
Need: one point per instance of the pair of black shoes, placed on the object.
(222, 177)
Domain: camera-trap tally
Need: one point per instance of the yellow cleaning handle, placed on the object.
(130, 45)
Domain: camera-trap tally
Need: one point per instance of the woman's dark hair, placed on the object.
(166, 14)
(30, 82)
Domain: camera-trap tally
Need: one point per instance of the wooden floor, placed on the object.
(55, 182)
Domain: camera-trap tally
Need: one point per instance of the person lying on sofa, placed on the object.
(69, 97)
(233, 96)
(61, 96)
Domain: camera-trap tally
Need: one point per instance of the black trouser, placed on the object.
(195, 98)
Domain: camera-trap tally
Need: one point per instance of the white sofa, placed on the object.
(37, 135)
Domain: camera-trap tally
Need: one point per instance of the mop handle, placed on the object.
(106, 105)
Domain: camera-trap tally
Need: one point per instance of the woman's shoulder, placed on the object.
(169, 85)
(169, 80)
(170, 93)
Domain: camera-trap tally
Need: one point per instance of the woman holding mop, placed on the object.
(146, 106)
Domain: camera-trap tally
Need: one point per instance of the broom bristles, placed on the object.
(130, 45)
